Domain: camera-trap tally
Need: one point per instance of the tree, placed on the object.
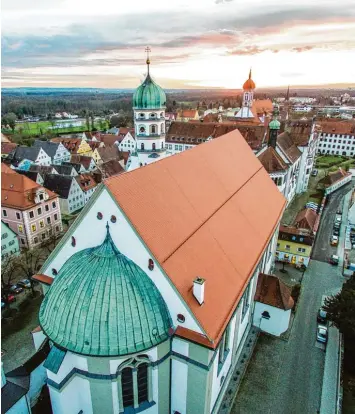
(8, 274)
(10, 119)
(52, 240)
(29, 262)
(341, 313)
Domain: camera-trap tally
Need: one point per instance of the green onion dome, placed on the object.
(103, 304)
(274, 124)
(149, 95)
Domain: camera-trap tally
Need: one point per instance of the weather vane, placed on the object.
(147, 49)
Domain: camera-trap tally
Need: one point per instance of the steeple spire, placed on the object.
(147, 49)
(250, 73)
(288, 94)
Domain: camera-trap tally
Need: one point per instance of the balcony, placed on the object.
(149, 151)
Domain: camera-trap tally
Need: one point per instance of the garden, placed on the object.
(333, 162)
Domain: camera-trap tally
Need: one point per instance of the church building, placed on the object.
(149, 296)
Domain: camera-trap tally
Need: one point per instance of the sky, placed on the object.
(194, 43)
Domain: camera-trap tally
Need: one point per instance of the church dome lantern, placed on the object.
(103, 304)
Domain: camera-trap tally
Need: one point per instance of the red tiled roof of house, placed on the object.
(7, 147)
(94, 144)
(300, 132)
(271, 291)
(71, 144)
(109, 153)
(111, 168)
(333, 177)
(272, 161)
(337, 126)
(84, 160)
(47, 280)
(306, 219)
(85, 181)
(109, 139)
(188, 113)
(209, 197)
(6, 169)
(193, 336)
(261, 106)
(18, 191)
(294, 230)
(288, 147)
(124, 155)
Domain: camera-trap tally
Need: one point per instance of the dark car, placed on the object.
(336, 231)
(322, 316)
(334, 260)
(16, 289)
(25, 283)
(339, 211)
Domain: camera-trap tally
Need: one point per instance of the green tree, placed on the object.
(10, 119)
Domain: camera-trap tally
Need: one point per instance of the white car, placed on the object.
(322, 334)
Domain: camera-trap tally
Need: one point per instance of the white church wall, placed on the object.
(179, 386)
(128, 243)
(70, 362)
(38, 339)
(180, 346)
(278, 322)
(115, 363)
(72, 398)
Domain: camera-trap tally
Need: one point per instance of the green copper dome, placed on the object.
(274, 124)
(103, 304)
(149, 95)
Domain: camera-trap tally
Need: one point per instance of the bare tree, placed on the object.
(8, 274)
(52, 240)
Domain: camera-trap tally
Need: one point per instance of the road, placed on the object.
(322, 249)
(293, 384)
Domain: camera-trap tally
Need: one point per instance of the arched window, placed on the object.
(153, 129)
(134, 382)
(142, 146)
(162, 145)
(153, 146)
(141, 130)
(162, 128)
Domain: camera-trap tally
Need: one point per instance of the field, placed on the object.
(31, 129)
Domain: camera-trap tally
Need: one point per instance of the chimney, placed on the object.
(199, 290)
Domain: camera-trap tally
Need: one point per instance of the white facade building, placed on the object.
(337, 137)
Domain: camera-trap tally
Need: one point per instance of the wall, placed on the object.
(21, 407)
(278, 322)
(293, 250)
(9, 242)
(337, 144)
(37, 381)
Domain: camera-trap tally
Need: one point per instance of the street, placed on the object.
(293, 385)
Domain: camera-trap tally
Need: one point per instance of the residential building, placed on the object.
(184, 115)
(334, 180)
(87, 162)
(108, 140)
(173, 291)
(7, 149)
(35, 155)
(43, 169)
(101, 155)
(337, 137)
(9, 242)
(65, 169)
(75, 145)
(110, 168)
(276, 168)
(273, 305)
(307, 219)
(128, 142)
(32, 175)
(87, 185)
(71, 197)
(56, 150)
(79, 168)
(294, 245)
(29, 209)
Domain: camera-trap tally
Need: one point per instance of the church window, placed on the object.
(162, 128)
(113, 219)
(134, 382)
(162, 145)
(73, 241)
(150, 264)
(153, 129)
(141, 115)
(152, 115)
(54, 272)
(153, 146)
(245, 305)
(142, 146)
(142, 130)
(99, 216)
(181, 318)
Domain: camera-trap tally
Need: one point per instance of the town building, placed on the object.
(32, 175)
(71, 197)
(87, 185)
(56, 150)
(102, 155)
(9, 242)
(334, 180)
(34, 155)
(128, 142)
(294, 245)
(149, 102)
(273, 305)
(132, 313)
(276, 168)
(65, 170)
(75, 145)
(7, 149)
(110, 168)
(29, 209)
(337, 137)
(307, 219)
(185, 115)
(88, 163)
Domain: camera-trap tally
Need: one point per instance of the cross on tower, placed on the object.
(147, 49)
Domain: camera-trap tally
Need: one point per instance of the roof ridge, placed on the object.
(211, 215)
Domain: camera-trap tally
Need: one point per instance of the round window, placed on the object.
(73, 241)
(181, 318)
(99, 216)
(113, 219)
(54, 272)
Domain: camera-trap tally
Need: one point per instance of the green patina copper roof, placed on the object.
(103, 304)
(274, 124)
(149, 95)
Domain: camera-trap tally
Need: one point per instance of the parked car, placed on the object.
(334, 260)
(337, 225)
(322, 316)
(322, 334)
(334, 241)
(314, 173)
(10, 299)
(310, 204)
(25, 283)
(339, 211)
(338, 219)
(336, 231)
(16, 289)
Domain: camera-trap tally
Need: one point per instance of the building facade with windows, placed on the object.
(29, 209)
(9, 242)
(294, 245)
(337, 137)
(148, 311)
(55, 150)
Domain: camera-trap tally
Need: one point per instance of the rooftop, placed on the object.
(272, 161)
(270, 290)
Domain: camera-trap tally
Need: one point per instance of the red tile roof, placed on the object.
(306, 219)
(85, 181)
(272, 161)
(270, 290)
(6, 169)
(18, 191)
(289, 148)
(47, 280)
(109, 139)
(7, 147)
(337, 126)
(110, 168)
(81, 159)
(333, 177)
(260, 106)
(188, 113)
(197, 204)
(300, 132)
(94, 144)
(71, 144)
(193, 336)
